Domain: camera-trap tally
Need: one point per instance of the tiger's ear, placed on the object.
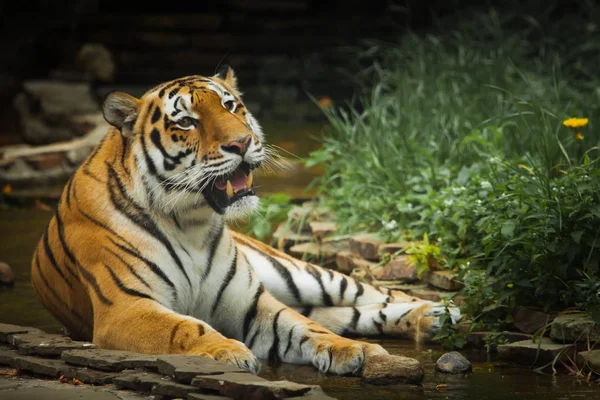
(226, 73)
(121, 110)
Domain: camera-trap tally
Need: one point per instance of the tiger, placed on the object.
(139, 256)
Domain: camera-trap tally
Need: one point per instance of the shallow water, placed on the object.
(20, 230)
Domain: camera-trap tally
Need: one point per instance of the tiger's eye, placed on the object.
(186, 122)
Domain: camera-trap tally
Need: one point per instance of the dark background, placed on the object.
(280, 49)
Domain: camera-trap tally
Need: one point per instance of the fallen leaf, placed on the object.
(77, 382)
(62, 379)
(441, 386)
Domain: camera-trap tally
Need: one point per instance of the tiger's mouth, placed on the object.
(227, 189)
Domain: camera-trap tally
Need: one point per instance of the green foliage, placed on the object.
(273, 210)
(423, 255)
(458, 135)
(448, 334)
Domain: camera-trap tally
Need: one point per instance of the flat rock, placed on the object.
(200, 396)
(574, 327)
(390, 370)
(8, 329)
(286, 238)
(348, 262)
(46, 345)
(453, 363)
(184, 368)
(319, 253)
(590, 359)
(8, 355)
(250, 387)
(398, 269)
(391, 248)
(109, 360)
(427, 293)
(42, 366)
(7, 278)
(321, 229)
(141, 381)
(366, 246)
(444, 279)
(90, 376)
(479, 340)
(173, 389)
(530, 320)
(527, 352)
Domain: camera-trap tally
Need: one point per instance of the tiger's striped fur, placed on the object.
(138, 256)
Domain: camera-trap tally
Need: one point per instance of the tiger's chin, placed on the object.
(241, 209)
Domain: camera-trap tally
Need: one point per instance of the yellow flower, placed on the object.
(510, 285)
(575, 122)
(7, 190)
(579, 136)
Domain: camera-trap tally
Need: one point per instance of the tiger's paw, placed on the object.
(344, 356)
(231, 352)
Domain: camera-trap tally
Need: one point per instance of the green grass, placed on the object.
(458, 134)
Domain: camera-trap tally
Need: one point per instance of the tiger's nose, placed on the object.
(239, 146)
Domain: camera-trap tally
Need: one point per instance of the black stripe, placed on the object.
(359, 291)
(286, 275)
(129, 267)
(213, 249)
(304, 339)
(228, 278)
(355, 318)
(201, 330)
(94, 284)
(330, 272)
(306, 311)
(317, 275)
(252, 311)
(58, 298)
(174, 332)
(382, 316)
(103, 226)
(290, 337)
(123, 152)
(68, 191)
(253, 339)
(378, 326)
(135, 213)
(61, 237)
(274, 351)
(51, 258)
(156, 115)
(155, 268)
(125, 289)
(401, 317)
(343, 287)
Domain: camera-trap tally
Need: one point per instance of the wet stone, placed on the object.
(42, 366)
(453, 363)
(442, 279)
(366, 246)
(590, 359)
(569, 328)
(46, 345)
(109, 360)
(390, 370)
(528, 352)
(200, 396)
(8, 329)
(184, 368)
(173, 389)
(90, 376)
(8, 355)
(142, 381)
(529, 320)
(250, 387)
(7, 278)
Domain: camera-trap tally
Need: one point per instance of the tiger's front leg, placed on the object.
(279, 333)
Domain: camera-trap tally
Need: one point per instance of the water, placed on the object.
(20, 230)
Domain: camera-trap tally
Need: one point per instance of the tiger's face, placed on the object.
(194, 136)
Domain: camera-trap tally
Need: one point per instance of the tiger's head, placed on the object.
(192, 136)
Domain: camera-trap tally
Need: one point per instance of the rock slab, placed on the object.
(366, 246)
(590, 359)
(444, 279)
(453, 363)
(7, 329)
(574, 327)
(184, 368)
(389, 370)
(46, 345)
(530, 320)
(528, 352)
(109, 360)
(250, 387)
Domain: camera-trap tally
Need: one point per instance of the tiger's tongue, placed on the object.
(238, 181)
